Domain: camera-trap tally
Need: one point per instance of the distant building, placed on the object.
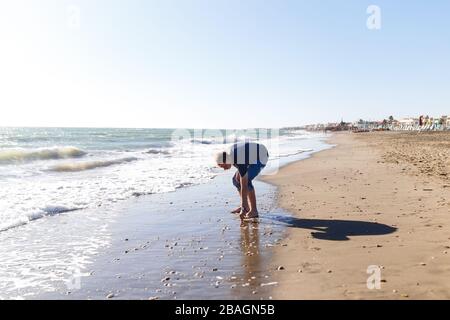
(422, 123)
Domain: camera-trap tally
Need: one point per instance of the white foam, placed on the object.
(21, 220)
(14, 155)
(89, 165)
(108, 177)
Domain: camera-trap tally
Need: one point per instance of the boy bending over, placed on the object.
(249, 158)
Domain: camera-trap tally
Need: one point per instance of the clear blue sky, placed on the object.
(221, 63)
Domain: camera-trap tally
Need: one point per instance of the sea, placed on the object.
(81, 175)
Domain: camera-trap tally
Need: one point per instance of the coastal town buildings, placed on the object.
(420, 123)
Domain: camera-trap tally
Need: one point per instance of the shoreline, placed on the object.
(195, 218)
(152, 241)
(156, 253)
(360, 205)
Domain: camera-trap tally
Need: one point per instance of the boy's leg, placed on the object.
(253, 171)
(236, 183)
(244, 203)
(253, 212)
(252, 200)
(239, 209)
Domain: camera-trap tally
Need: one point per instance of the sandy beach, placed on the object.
(375, 202)
(376, 199)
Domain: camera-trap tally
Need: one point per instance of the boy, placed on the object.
(249, 158)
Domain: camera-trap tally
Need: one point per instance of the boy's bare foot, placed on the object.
(238, 210)
(249, 215)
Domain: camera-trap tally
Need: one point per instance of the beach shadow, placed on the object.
(335, 230)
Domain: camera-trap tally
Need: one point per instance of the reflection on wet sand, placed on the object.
(255, 271)
(251, 257)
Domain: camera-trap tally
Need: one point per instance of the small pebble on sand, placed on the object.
(110, 296)
(269, 284)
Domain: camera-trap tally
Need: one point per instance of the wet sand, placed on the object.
(185, 245)
(377, 199)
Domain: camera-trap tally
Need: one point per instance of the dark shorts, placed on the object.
(252, 173)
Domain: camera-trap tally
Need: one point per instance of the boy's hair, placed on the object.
(222, 157)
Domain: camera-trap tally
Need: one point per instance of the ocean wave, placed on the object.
(285, 155)
(202, 141)
(232, 138)
(184, 185)
(157, 151)
(43, 212)
(20, 155)
(89, 165)
(140, 194)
